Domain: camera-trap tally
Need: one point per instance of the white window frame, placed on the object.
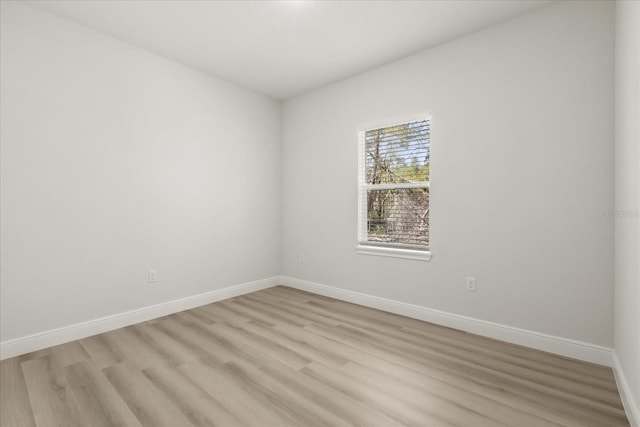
(365, 247)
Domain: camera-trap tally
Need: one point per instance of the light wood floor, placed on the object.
(283, 357)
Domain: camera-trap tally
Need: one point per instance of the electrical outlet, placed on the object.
(301, 258)
(153, 276)
(471, 284)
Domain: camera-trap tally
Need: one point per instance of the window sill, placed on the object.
(394, 252)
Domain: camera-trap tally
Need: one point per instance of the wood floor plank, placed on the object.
(250, 342)
(295, 308)
(61, 355)
(233, 393)
(508, 358)
(99, 402)
(343, 406)
(15, 408)
(519, 397)
(263, 316)
(230, 314)
(122, 345)
(452, 404)
(281, 293)
(310, 351)
(376, 320)
(150, 406)
(193, 401)
(423, 376)
(102, 352)
(283, 399)
(454, 380)
(608, 415)
(203, 314)
(172, 351)
(597, 393)
(291, 293)
(284, 357)
(272, 312)
(461, 337)
(392, 406)
(197, 337)
(51, 397)
(187, 316)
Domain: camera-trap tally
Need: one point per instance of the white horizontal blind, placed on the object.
(393, 185)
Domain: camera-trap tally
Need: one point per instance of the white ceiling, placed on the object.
(285, 48)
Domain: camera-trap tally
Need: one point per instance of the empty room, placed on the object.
(319, 213)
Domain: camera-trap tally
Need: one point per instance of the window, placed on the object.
(393, 190)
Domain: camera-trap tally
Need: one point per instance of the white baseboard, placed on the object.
(552, 344)
(38, 341)
(629, 403)
(558, 345)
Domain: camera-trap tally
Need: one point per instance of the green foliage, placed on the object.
(398, 155)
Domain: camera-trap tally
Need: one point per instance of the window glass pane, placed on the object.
(398, 216)
(398, 154)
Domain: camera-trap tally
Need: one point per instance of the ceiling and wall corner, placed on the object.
(285, 48)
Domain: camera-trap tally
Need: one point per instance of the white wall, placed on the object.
(522, 170)
(116, 161)
(627, 200)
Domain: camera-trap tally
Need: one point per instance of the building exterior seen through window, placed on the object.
(393, 186)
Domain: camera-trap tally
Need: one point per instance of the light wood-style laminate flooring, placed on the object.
(284, 357)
